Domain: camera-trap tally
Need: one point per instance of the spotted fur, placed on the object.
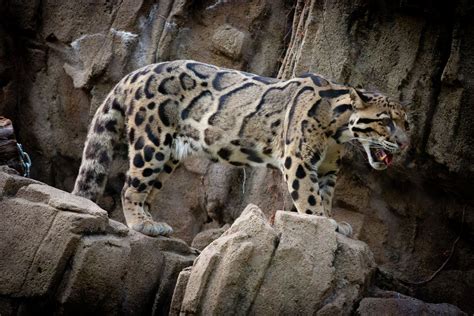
(168, 111)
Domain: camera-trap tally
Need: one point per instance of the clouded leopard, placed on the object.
(168, 111)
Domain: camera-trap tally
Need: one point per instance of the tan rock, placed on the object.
(267, 189)
(180, 206)
(220, 183)
(61, 200)
(301, 266)
(179, 291)
(204, 238)
(197, 165)
(145, 266)
(95, 281)
(221, 278)
(301, 272)
(10, 182)
(57, 247)
(24, 225)
(230, 41)
(60, 250)
(174, 264)
(117, 228)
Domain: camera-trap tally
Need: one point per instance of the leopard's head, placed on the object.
(380, 125)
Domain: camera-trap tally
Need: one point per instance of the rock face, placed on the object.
(61, 254)
(404, 306)
(56, 67)
(300, 266)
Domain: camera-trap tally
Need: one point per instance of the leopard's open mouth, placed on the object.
(381, 155)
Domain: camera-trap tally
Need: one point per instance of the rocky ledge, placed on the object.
(300, 266)
(297, 265)
(60, 254)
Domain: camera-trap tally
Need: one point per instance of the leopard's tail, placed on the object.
(105, 132)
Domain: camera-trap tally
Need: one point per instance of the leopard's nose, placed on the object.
(401, 139)
(402, 144)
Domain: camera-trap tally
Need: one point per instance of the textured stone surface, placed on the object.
(230, 41)
(62, 255)
(219, 277)
(19, 245)
(10, 183)
(404, 306)
(183, 208)
(299, 266)
(61, 200)
(179, 291)
(94, 284)
(307, 248)
(204, 238)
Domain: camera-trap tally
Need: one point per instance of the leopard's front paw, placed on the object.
(342, 227)
(152, 228)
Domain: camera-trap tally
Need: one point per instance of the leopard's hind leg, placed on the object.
(160, 180)
(147, 162)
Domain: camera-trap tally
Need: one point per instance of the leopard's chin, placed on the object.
(378, 165)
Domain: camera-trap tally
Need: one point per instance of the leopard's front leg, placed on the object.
(327, 181)
(304, 188)
(327, 174)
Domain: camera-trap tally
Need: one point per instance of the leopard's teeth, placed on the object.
(380, 154)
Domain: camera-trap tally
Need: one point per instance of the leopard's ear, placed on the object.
(358, 99)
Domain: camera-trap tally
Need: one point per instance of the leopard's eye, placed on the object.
(386, 121)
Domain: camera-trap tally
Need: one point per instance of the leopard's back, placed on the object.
(229, 115)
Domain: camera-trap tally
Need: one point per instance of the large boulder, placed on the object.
(61, 253)
(300, 265)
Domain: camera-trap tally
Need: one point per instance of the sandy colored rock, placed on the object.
(117, 228)
(299, 266)
(175, 262)
(301, 271)
(146, 262)
(229, 41)
(181, 207)
(179, 291)
(11, 182)
(267, 189)
(60, 200)
(25, 224)
(220, 276)
(204, 238)
(197, 165)
(57, 247)
(221, 183)
(97, 52)
(59, 256)
(99, 263)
